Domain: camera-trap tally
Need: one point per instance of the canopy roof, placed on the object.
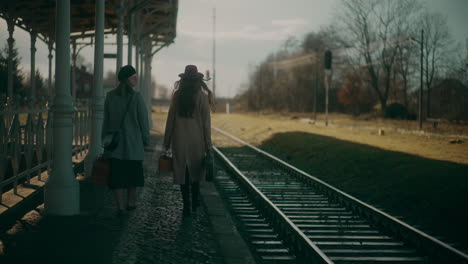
(157, 18)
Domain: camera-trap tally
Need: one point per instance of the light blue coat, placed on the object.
(134, 134)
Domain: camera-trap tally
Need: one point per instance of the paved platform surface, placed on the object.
(155, 232)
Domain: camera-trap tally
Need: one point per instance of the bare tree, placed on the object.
(355, 94)
(286, 79)
(290, 45)
(162, 91)
(407, 55)
(405, 62)
(82, 63)
(375, 28)
(110, 79)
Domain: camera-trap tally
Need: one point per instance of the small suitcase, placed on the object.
(165, 164)
(101, 171)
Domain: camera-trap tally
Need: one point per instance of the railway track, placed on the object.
(290, 216)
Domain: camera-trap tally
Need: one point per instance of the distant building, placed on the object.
(84, 84)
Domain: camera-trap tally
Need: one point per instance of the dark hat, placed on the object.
(191, 72)
(125, 72)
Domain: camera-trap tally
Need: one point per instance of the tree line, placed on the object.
(377, 48)
(21, 81)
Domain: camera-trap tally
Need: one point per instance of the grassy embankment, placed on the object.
(424, 191)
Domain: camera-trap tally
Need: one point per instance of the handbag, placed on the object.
(101, 171)
(111, 139)
(208, 164)
(165, 163)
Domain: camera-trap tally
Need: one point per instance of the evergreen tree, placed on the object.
(18, 77)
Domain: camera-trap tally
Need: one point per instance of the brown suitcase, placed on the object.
(101, 171)
(165, 163)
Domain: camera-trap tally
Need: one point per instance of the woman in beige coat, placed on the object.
(188, 133)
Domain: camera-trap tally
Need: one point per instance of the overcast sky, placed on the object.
(246, 32)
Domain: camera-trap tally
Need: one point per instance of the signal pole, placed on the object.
(328, 73)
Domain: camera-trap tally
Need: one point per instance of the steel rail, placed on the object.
(437, 250)
(290, 232)
(265, 242)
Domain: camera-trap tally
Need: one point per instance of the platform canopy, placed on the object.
(156, 18)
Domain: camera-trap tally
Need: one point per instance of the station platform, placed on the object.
(155, 232)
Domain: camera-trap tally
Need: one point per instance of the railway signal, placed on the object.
(328, 60)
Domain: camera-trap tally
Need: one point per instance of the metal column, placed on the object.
(33, 68)
(73, 70)
(137, 52)
(147, 85)
(61, 192)
(50, 115)
(50, 44)
(142, 70)
(97, 114)
(120, 12)
(11, 40)
(137, 62)
(143, 84)
(130, 35)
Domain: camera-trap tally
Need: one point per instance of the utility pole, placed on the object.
(275, 69)
(214, 53)
(420, 118)
(466, 63)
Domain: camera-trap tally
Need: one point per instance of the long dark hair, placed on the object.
(184, 93)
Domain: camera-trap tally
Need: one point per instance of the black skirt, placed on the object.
(126, 174)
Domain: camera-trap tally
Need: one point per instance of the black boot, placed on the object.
(185, 199)
(195, 195)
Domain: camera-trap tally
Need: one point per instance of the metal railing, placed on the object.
(26, 138)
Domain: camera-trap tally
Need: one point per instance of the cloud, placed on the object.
(289, 22)
(282, 29)
(279, 29)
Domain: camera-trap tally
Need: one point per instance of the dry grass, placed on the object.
(398, 135)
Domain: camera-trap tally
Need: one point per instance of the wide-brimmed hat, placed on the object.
(191, 72)
(125, 72)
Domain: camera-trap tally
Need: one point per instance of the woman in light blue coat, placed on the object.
(123, 103)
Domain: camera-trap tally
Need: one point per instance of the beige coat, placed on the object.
(189, 139)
